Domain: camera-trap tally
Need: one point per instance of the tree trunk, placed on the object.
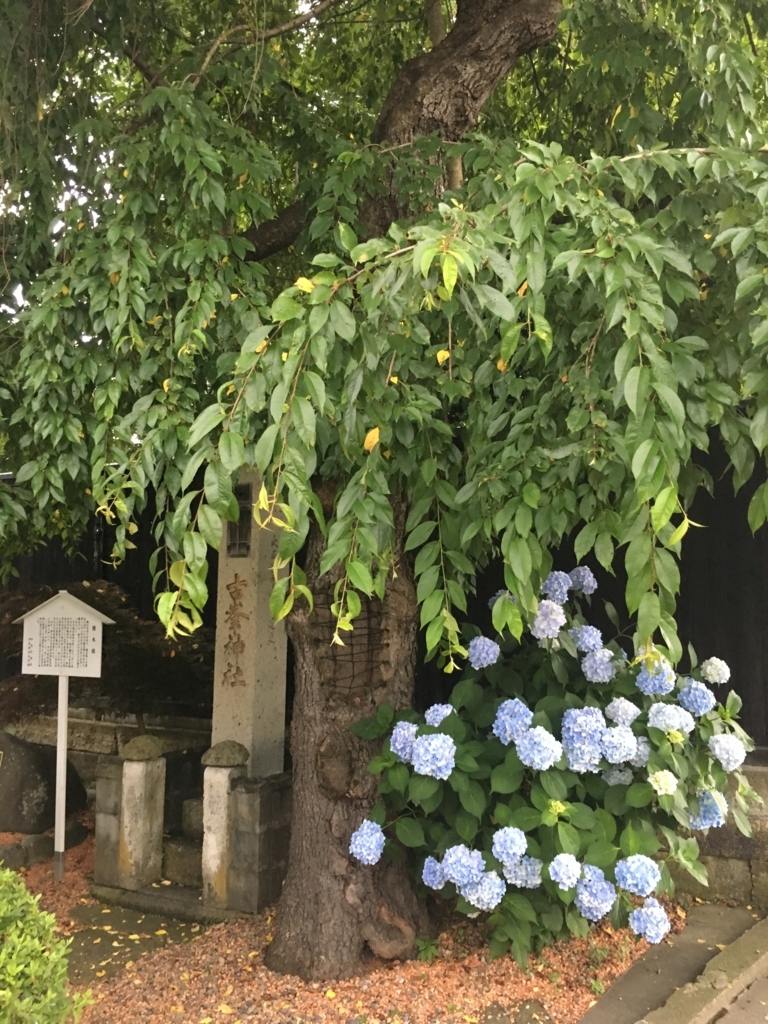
(332, 906)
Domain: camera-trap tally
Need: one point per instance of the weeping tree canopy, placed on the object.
(513, 275)
(458, 279)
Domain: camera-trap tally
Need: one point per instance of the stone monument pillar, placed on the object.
(250, 663)
(142, 800)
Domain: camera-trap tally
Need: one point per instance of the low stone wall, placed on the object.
(95, 735)
(737, 866)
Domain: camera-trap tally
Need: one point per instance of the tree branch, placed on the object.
(277, 234)
(259, 37)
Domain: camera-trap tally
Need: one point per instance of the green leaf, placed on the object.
(570, 840)
(422, 787)
(203, 425)
(209, 525)
(342, 320)
(265, 447)
(360, 576)
(472, 798)
(286, 308)
(218, 491)
(636, 388)
(648, 615)
(639, 794)
(231, 450)
(409, 832)
(663, 507)
(505, 779)
(347, 236)
(602, 854)
(450, 273)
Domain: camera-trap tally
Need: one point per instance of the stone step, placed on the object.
(192, 818)
(183, 861)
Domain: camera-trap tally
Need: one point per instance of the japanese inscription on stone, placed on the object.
(234, 648)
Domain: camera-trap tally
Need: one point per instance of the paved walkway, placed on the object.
(751, 1007)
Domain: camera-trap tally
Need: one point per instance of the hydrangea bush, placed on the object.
(560, 779)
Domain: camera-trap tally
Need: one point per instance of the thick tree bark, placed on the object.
(443, 91)
(332, 906)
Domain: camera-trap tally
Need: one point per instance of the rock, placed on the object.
(13, 856)
(142, 748)
(495, 1014)
(74, 834)
(28, 786)
(183, 861)
(38, 848)
(192, 818)
(532, 1012)
(226, 754)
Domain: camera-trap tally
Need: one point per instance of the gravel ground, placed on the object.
(218, 977)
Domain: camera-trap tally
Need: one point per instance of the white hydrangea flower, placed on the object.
(715, 671)
(663, 782)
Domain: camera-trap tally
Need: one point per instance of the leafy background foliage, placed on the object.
(540, 352)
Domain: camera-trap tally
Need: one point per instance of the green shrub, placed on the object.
(557, 777)
(33, 962)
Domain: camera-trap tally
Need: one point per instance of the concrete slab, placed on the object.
(722, 982)
(172, 901)
(751, 1007)
(653, 979)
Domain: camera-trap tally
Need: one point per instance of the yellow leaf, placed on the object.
(707, 236)
(125, 173)
(723, 251)
(393, 380)
(305, 284)
(633, 111)
(80, 225)
(161, 931)
(100, 974)
(166, 384)
(604, 67)
(330, 994)
(114, 277)
(522, 289)
(64, 290)
(284, 356)
(261, 346)
(443, 355)
(233, 296)
(501, 365)
(206, 1020)
(223, 1008)
(268, 938)
(371, 439)
(616, 113)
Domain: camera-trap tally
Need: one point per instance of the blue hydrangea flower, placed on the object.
(463, 866)
(509, 844)
(582, 734)
(586, 638)
(710, 815)
(729, 751)
(670, 718)
(433, 874)
(640, 760)
(599, 666)
(697, 698)
(512, 719)
(649, 921)
(619, 744)
(499, 595)
(538, 749)
(550, 619)
(638, 874)
(485, 894)
(483, 652)
(367, 843)
(434, 755)
(524, 873)
(617, 776)
(556, 587)
(401, 741)
(656, 683)
(716, 671)
(583, 579)
(595, 895)
(435, 714)
(622, 711)
(565, 870)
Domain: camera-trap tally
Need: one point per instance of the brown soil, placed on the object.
(219, 977)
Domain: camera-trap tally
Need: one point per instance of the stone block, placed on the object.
(757, 776)
(140, 853)
(217, 833)
(192, 818)
(13, 856)
(142, 748)
(28, 786)
(226, 754)
(109, 788)
(729, 879)
(261, 829)
(183, 861)
(728, 841)
(106, 849)
(760, 883)
(38, 848)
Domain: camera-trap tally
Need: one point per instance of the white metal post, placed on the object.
(61, 779)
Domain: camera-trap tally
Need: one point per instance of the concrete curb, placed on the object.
(177, 901)
(722, 981)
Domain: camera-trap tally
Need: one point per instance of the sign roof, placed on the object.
(75, 604)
